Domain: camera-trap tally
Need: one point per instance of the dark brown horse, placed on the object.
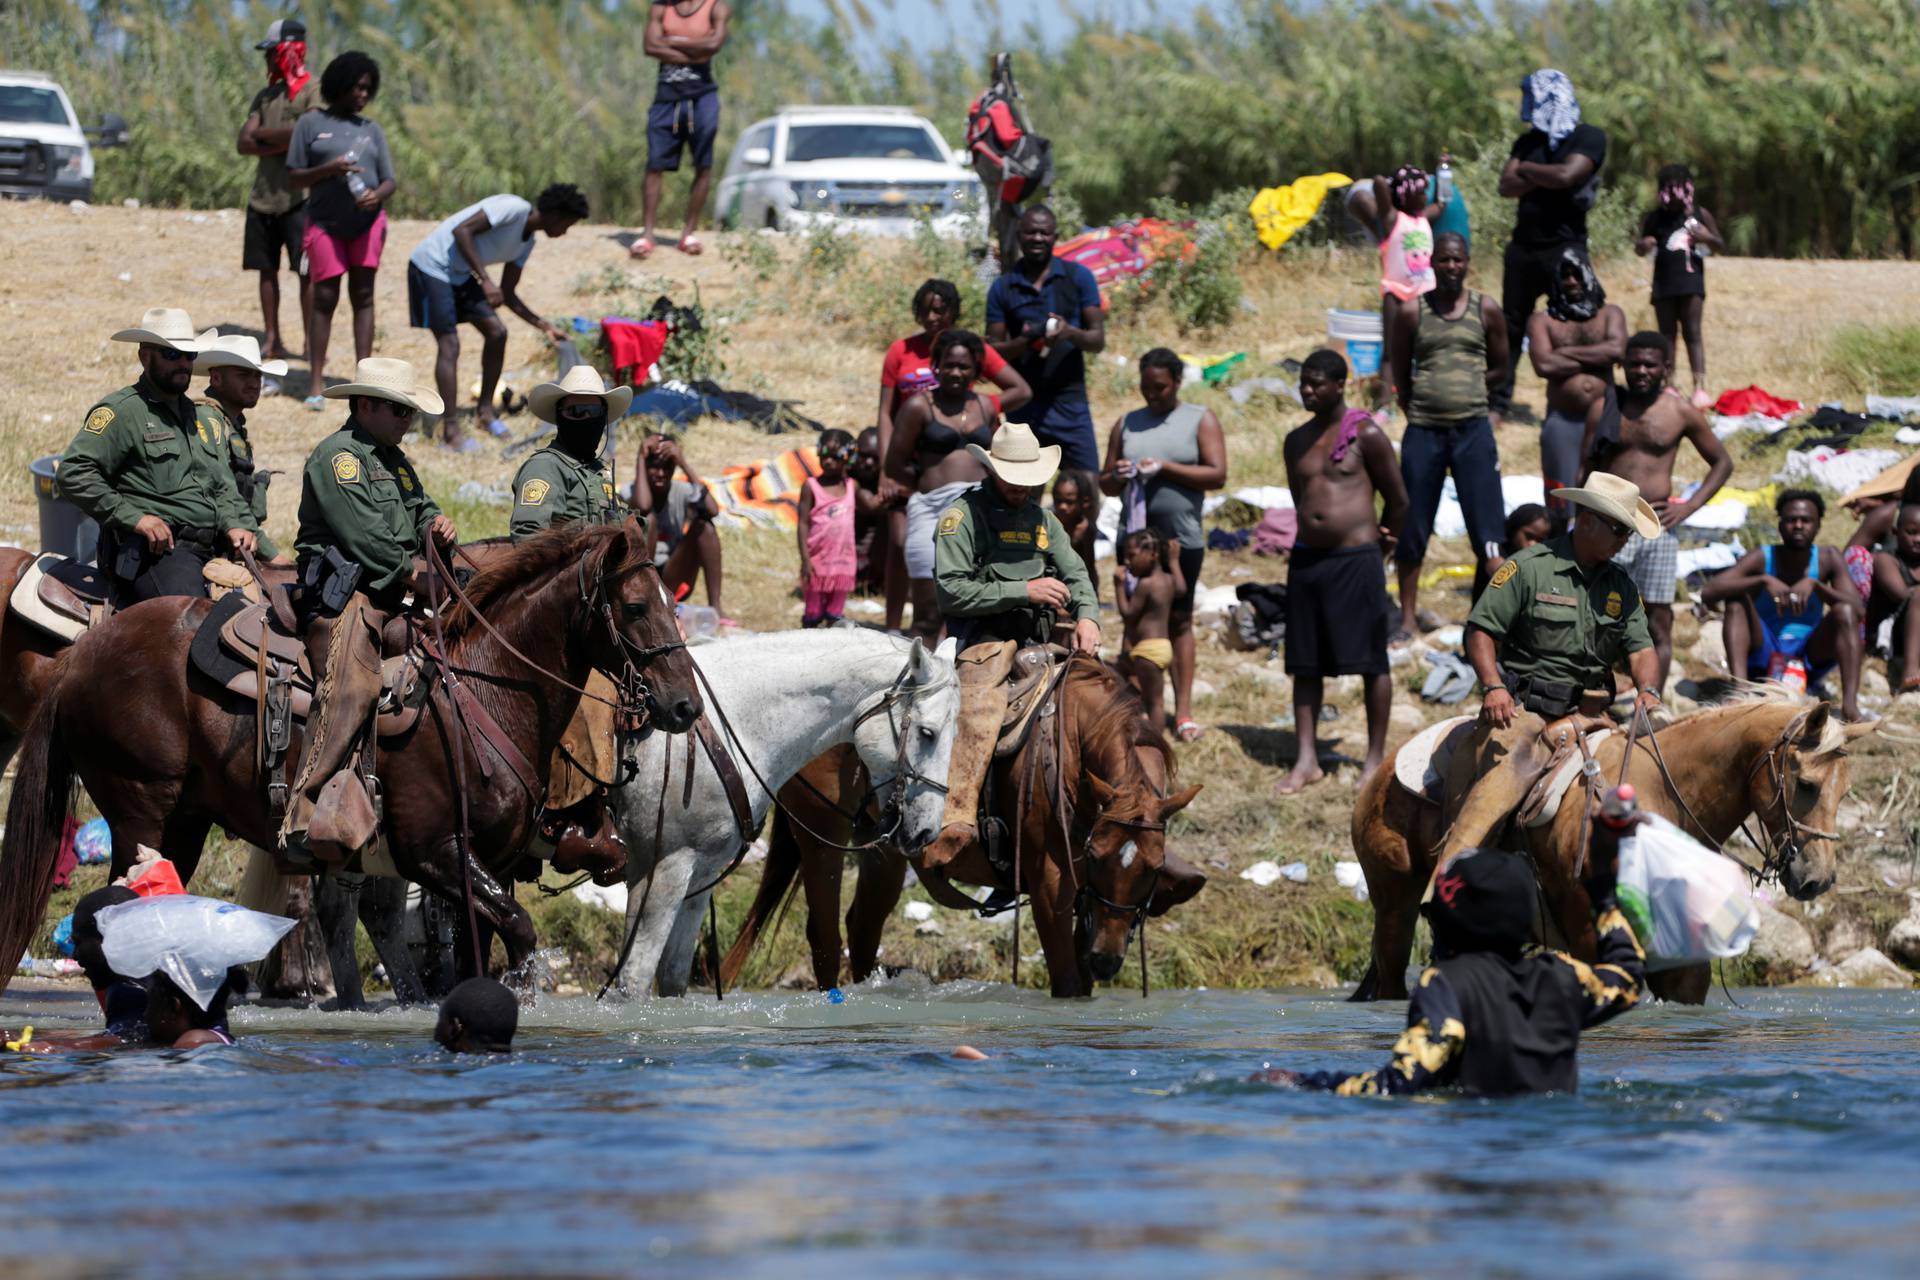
(1093, 855)
(27, 656)
(165, 753)
(1773, 757)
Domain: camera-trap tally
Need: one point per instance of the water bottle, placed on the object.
(1443, 180)
(1794, 677)
(698, 621)
(355, 182)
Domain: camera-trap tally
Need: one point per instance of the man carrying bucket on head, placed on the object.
(567, 483)
(1005, 571)
(1544, 638)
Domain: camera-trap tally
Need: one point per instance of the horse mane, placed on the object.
(540, 556)
(1120, 721)
(1751, 694)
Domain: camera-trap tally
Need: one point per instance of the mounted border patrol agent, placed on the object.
(155, 476)
(567, 482)
(364, 517)
(1544, 639)
(229, 395)
(1005, 570)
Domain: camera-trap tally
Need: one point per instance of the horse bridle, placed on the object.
(1087, 896)
(1775, 855)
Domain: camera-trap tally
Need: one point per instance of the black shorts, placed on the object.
(440, 307)
(268, 234)
(1191, 559)
(1337, 612)
(690, 123)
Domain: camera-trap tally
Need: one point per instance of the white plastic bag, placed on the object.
(192, 940)
(1686, 902)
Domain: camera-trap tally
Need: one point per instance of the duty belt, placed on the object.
(1549, 698)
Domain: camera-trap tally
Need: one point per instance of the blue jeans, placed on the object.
(1426, 454)
(1067, 423)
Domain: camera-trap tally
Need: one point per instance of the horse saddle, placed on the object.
(1033, 674)
(1421, 767)
(226, 649)
(61, 597)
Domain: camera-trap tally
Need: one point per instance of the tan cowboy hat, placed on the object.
(235, 350)
(163, 327)
(1617, 499)
(385, 379)
(1018, 458)
(581, 380)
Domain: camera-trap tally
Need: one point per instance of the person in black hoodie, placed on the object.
(1488, 1016)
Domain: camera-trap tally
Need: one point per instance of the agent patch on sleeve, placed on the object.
(534, 492)
(1504, 574)
(99, 420)
(950, 522)
(346, 468)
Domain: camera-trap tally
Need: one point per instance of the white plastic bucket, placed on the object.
(1358, 334)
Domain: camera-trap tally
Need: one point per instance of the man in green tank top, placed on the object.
(1449, 352)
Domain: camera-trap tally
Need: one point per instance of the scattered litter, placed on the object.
(611, 897)
(918, 911)
(78, 206)
(93, 843)
(1448, 637)
(125, 277)
(1262, 873)
(1295, 871)
(1841, 469)
(1710, 559)
(57, 968)
(478, 491)
(1351, 878)
(1908, 435)
(928, 929)
(1895, 407)
(130, 202)
(865, 607)
(1279, 388)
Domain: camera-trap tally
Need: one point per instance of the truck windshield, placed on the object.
(24, 104)
(861, 142)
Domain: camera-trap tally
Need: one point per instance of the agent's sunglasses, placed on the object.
(1613, 526)
(580, 412)
(168, 353)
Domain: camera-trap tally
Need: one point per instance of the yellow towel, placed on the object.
(1278, 212)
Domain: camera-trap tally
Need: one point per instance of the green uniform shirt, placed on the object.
(1554, 620)
(140, 453)
(364, 498)
(251, 485)
(985, 553)
(554, 487)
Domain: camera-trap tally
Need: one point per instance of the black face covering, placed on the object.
(1482, 901)
(581, 437)
(1593, 297)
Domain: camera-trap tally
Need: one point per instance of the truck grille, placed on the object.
(22, 160)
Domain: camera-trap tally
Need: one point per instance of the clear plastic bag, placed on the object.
(1686, 902)
(193, 940)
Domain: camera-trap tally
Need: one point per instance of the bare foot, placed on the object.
(1302, 776)
(1367, 770)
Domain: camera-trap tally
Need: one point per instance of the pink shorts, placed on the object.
(329, 256)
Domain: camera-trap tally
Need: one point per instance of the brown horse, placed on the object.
(27, 656)
(165, 753)
(1771, 754)
(1094, 867)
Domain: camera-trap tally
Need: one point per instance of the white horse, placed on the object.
(788, 696)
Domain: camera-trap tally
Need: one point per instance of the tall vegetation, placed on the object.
(1801, 118)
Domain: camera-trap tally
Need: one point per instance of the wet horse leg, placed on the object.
(883, 875)
(820, 872)
(495, 909)
(336, 904)
(383, 914)
(1053, 920)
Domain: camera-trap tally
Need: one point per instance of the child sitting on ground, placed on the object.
(827, 559)
(1144, 586)
(479, 1016)
(1673, 232)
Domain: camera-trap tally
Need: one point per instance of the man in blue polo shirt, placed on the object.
(1044, 317)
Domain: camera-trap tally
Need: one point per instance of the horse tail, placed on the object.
(778, 877)
(36, 820)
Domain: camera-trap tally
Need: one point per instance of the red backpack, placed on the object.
(1013, 161)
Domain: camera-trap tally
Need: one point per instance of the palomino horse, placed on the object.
(1772, 755)
(165, 753)
(1089, 820)
(779, 700)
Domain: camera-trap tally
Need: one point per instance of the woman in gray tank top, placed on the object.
(1161, 459)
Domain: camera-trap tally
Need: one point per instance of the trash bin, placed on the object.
(63, 527)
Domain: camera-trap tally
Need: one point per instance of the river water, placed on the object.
(781, 1135)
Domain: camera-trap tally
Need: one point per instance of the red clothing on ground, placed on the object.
(1738, 404)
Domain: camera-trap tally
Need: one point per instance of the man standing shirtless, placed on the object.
(1574, 345)
(1337, 610)
(1652, 425)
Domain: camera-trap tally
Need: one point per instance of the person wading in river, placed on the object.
(1486, 1017)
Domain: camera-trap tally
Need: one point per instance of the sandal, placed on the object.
(641, 248)
(1909, 686)
(691, 246)
(315, 403)
(1187, 729)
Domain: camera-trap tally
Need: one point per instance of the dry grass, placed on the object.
(60, 296)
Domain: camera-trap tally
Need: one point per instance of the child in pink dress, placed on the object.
(827, 556)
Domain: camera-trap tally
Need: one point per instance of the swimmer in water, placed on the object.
(175, 1021)
(1485, 1017)
(479, 1016)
